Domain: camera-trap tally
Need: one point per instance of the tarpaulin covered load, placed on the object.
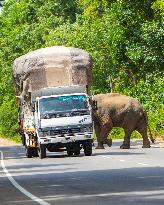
(52, 67)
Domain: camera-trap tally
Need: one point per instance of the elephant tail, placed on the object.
(148, 126)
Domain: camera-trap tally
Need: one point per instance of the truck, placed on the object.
(53, 88)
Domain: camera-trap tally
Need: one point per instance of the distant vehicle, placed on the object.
(53, 87)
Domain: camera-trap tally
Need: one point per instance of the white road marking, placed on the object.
(105, 156)
(143, 164)
(12, 157)
(20, 188)
(148, 194)
(122, 160)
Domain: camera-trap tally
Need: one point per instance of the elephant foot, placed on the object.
(153, 141)
(125, 146)
(109, 142)
(100, 146)
(146, 144)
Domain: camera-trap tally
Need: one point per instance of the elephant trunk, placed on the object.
(151, 137)
(146, 119)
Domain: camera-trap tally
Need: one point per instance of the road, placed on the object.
(108, 177)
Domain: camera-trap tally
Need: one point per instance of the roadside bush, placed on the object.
(8, 118)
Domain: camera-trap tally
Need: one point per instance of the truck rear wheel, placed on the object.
(35, 152)
(23, 139)
(42, 151)
(29, 152)
(87, 146)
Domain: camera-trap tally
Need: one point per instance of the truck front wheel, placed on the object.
(87, 146)
(42, 151)
(69, 152)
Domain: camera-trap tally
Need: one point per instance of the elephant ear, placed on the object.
(94, 105)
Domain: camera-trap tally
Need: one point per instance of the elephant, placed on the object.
(116, 110)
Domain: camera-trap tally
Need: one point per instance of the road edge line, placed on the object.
(19, 187)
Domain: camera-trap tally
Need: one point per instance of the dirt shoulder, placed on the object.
(7, 142)
(159, 142)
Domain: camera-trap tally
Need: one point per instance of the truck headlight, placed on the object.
(86, 129)
(44, 133)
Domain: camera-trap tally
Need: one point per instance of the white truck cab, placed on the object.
(61, 119)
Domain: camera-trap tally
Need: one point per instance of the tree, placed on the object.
(23, 25)
(124, 37)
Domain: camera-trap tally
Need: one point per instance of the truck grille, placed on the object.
(64, 131)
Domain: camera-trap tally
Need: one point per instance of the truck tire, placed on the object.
(77, 152)
(69, 152)
(42, 151)
(35, 152)
(29, 152)
(87, 146)
(23, 139)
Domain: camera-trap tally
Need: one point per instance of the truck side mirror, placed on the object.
(94, 105)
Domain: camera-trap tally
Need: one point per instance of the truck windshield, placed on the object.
(63, 104)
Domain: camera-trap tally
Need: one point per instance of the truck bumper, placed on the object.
(66, 138)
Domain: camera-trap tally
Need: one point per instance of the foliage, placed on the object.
(8, 118)
(125, 38)
(23, 25)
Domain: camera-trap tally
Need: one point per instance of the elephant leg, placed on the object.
(126, 142)
(100, 145)
(142, 129)
(99, 140)
(105, 129)
(108, 142)
(102, 127)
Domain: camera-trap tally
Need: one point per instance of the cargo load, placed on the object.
(52, 67)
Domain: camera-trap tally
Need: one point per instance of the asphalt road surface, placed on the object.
(108, 177)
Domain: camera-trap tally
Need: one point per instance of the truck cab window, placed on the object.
(63, 103)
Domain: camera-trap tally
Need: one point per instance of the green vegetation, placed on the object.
(125, 38)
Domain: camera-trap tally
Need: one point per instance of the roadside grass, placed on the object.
(15, 138)
(118, 133)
